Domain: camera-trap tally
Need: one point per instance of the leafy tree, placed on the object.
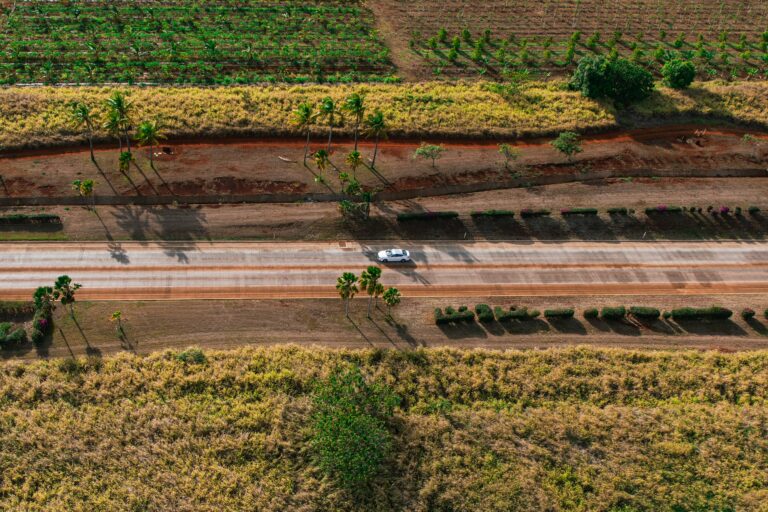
(81, 117)
(354, 160)
(678, 73)
(392, 297)
(331, 114)
(568, 143)
(429, 152)
(117, 318)
(617, 79)
(149, 133)
(376, 127)
(45, 298)
(346, 285)
(321, 161)
(84, 188)
(510, 153)
(355, 105)
(349, 426)
(119, 110)
(64, 290)
(303, 119)
(369, 282)
(124, 161)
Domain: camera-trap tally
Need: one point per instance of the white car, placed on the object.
(394, 256)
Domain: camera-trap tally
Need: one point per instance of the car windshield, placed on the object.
(396, 252)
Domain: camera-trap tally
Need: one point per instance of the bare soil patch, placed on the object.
(157, 325)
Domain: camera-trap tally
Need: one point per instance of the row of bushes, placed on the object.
(530, 212)
(486, 315)
(15, 309)
(11, 335)
(721, 210)
(23, 218)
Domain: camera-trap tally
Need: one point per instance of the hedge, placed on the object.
(23, 218)
(714, 312)
(14, 309)
(578, 211)
(618, 211)
(11, 337)
(451, 316)
(426, 215)
(558, 313)
(753, 210)
(527, 212)
(747, 313)
(645, 313)
(493, 213)
(514, 313)
(484, 313)
(591, 313)
(613, 313)
(663, 209)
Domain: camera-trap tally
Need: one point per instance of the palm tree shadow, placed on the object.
(165, 183)
(141, 171)
(104, 175)
(360, 331)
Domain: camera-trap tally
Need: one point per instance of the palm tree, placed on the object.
(120, 109)
(330, 113)
(303, 119)
(347, 288)
(391, 298)
(114, 126)
(81, 117)
(321, 161)
(149, 133)
(369, 281)
(65, 291)
(376, 126)
(117, 317)
(84, 188)
(354, 159)
(355, 105)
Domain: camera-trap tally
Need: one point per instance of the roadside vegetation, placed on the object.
(469, 430)
(40, 117)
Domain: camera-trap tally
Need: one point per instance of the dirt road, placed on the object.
(120, 271)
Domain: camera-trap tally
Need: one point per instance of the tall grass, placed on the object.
(575, 429)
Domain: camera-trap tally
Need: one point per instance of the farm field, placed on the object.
(506, 39)
(40, 117)
(183, 41)
(156, 325)
(474, 430)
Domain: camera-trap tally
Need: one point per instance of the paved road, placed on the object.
(134, 270)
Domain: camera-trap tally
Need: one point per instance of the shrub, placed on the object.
(493, 213)
(590, 313)
(712, 313)
(618, 79)
(678, 73)
(644, 313)
(747, 313)
(13, 309)
(10, 336)
(192, 356)
(663, 209)
(558, 313)
(528, 212)
(451, 316)
(23, 218)
(753, 210)
(403, 217)
(613, 313)
(617, 211)
(37, 336)
(484, 313)
(515, 313)
(666, 315)
(579, 211)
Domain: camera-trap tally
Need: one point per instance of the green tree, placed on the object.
(376, 127)
(350, 438)
(45, 298)
(429, 152)
(84, 188)
(150, 133)
(568, 143)
(321, 161)
(124, 161)
(65, 291)
(678, 73)
(392, 297)
(114, 127)
(331, 114)
(81, 117)
(617, 79)
(354, 160)
(346, 285)
(355, 105)
(119, 109)
(509, 152)
(303, 118)
(369, 282)
(117, 317)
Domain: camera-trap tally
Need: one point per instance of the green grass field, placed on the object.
(573, 429)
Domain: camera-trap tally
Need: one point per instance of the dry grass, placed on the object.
(573, 429)
(38, 117)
